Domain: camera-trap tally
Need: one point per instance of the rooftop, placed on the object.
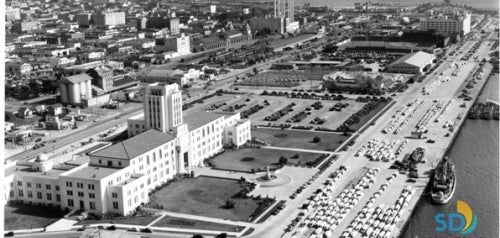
(78, 78)
(135, 146)
(417, 58)
(163, 73)
(197, 119)
(93, 172)
(25, 170)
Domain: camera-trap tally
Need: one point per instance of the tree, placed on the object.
(330, 48)
(316, 139)
(255, 70)
(35, 88)
(9, 116)
(229, 204)
(283, 160)
(221, 235)
(197, 236)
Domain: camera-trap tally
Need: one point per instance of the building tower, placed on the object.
(284, 9)
(162, 107)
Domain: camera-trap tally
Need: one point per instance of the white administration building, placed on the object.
(118, 178)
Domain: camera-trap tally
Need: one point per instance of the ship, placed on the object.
(443, 182)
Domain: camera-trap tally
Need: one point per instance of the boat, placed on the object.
(443, 182)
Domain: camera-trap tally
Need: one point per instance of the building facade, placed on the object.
(117, 178)
(458, 24)
(110, 19)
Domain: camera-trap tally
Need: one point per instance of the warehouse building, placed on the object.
(418, 62)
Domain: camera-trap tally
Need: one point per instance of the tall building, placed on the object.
(455, 24)
(118, 177)
(109, 19)
(163, 107)
(181, 44)
(284, 9)
(174, 26)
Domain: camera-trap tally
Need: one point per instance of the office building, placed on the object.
(455, 24)
(109, 19)
(117, 178)
(174, 26)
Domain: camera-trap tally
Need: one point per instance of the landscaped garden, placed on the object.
(299, 139)
(18, 216)
(130, 220)
(255, 159)
(177, 222)
(211, 197)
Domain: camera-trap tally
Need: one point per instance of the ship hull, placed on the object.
(446, 197)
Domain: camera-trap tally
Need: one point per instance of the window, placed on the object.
(21, 193)
(114, 195)
(39, 195)
(49, 196)
(69, 193)
(91, 187)
(91, 195)
(92, 205)
(30, 194)
(28, 184)
(70, 202)
(80, 194)
(110, 163)
(115, 205)
(69, 184)
(79, 185)
(47, 186)
(19, 183)
(38, 185)
(119, 163)
(57, 188)
(58, 197)
(100, 161)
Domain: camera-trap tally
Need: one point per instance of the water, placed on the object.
(476, 158)
(350, 3)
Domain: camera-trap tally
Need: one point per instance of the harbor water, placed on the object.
(475, 154)
(350, 3)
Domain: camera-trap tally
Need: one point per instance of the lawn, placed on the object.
(27, 217)
(299, 139)
(139, 220)
(252, 158)
(205, 196)
(177, 222)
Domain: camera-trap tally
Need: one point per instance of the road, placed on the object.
(224, 83)
(276, 225)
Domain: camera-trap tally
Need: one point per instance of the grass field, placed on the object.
(299, 139)
(27, 217)
(177, 222)
(252, 158)
(141, 221)
(205, 196)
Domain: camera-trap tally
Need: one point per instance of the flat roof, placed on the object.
(197, 119)
(418, 59)
(93, 172)
(287, 41)
(135, 146)
(25, 170)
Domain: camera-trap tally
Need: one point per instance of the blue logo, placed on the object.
(464, 215)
